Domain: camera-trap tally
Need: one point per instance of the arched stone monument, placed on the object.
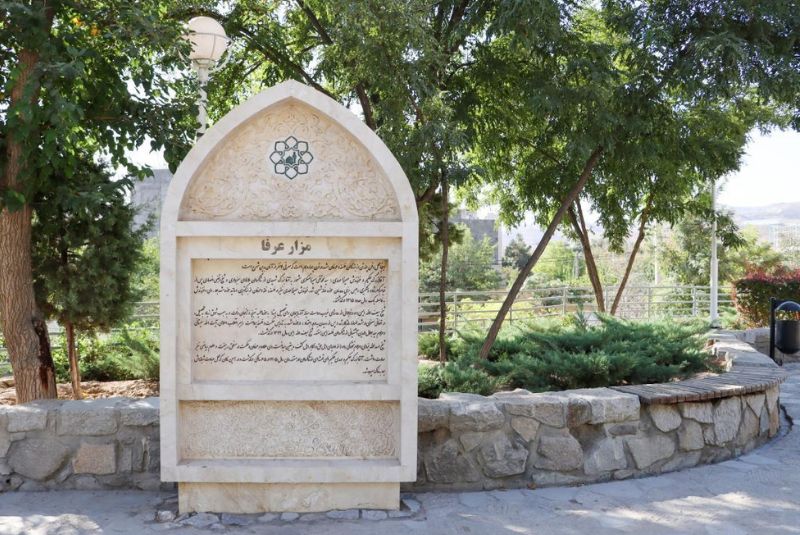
(288, 313)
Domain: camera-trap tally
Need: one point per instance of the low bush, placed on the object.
(557, 357)
(131, 353)
(752, 293)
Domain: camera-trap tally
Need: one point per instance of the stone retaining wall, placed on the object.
(466, 441)
(519, 439)
(91, 444)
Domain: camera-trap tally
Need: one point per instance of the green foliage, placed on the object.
(85, 249)
(429, 380)
(131, 353)
(555, 267)
(517, 254)
(146, 276)
(687, 256)
(753, 291)
(401, 65)
(470, 267)
(556, 357)
(102, 81)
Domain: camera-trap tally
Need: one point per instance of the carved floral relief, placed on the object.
(333, 177)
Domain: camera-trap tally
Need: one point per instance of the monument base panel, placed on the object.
(244, 498)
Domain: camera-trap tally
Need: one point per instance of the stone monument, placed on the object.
(288, 313)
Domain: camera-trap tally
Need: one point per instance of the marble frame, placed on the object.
(177, 235)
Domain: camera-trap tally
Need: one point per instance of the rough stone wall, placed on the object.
(519, 439)
(91, 444)
(466, 441)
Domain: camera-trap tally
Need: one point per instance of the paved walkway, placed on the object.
(758, 493)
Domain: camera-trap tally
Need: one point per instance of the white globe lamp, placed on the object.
(209, 43)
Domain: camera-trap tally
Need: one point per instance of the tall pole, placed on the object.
(656, 251)
(203, 71)
(714, 297)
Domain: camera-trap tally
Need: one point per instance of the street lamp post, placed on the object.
(714, 293)
(209, 43)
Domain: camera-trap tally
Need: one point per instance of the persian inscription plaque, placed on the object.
(300, 320)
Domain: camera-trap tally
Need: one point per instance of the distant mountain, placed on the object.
(787, 213)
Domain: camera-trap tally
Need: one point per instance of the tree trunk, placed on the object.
(579, 226)
(72, 354)
(629, 267)
(494, 330)
(443, 278)
(23, 327)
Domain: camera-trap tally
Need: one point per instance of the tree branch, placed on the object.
(570, 197)
(643, 219)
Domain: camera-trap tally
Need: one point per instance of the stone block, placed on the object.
(344, 514)
(690, 436)
(525, 427)
(700, 412)
(755, 402)
(774, 422)
(647, 450)
(432, 414)
(606, 455)
(444, 463)
(727, 417)
(97, 459)
(27, 417)
(471, 440)
(579, 412)
(131, 457)
(681, 461)
(763, 422)
(608, 405)
(748, 428)
(561, 453)
(462, 397)
(500, 457)
(88, 417)
(628, 428)
(139, 412)
(476, 416)
(37, 458)
(549, 409)
(665, 417)
(772, 395)
(5, 443)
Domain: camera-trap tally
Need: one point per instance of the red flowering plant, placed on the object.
(787, 315)
(752, 292)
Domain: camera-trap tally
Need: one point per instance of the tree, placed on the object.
(556, 266)
(94, 76)
(85, 252)
(400, 65)
(471, 267)
(517, 253)
(687, 255)
(594, 89)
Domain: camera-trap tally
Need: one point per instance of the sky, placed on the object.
(770, 171)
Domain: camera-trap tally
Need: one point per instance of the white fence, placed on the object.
(638, 302)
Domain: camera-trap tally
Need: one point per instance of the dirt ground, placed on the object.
(91, 390)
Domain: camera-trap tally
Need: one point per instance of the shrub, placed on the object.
(556, 357)
(131, 353)
(752, 293)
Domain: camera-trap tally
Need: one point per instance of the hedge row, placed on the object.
(752, 293)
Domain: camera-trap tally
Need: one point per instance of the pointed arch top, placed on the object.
(289, 153)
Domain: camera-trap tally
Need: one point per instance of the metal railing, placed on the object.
(637, 302)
